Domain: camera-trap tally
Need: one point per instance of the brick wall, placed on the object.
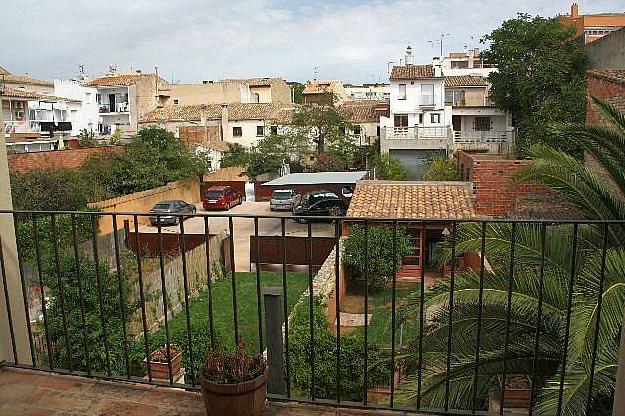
(493, 193)
(68, 158)
(199, 134)
(610, 89)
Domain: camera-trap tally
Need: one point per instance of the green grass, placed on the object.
(247, 312)
(379, 330)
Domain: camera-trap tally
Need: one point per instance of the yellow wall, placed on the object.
(187, 190)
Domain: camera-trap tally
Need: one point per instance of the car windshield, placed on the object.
(214, 194)
(281, 195)
(162, 206)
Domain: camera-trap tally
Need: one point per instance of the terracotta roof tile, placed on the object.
(419, 200)
(362, 111)
(23, 79)
(118, 79)
(465, 81)
(31, 95)
(320, 87)
(412, 72)
(236, 111)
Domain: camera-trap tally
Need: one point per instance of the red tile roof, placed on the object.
(412, 72)
(362, 111)
(419, 200)
(465, 81)
(118, 79)
(617, 75)
(23, 79)
(236, 111)
(31, 95)
(320, 87)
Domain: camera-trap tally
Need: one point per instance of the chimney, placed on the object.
(574, 11)
(409, 58)
(225, 126)
(436, 63)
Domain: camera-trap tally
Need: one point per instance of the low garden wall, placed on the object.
(188, 190)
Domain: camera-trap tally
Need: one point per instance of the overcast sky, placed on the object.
(194, 40)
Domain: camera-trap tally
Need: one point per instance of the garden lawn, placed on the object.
(247, 312)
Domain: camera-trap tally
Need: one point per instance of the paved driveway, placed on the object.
(243, 228)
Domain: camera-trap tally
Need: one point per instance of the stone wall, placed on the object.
(174, 281)
(607, 52)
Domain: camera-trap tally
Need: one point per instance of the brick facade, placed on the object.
(55, 159)
(199, 134)
(494, 194)
(608, 87)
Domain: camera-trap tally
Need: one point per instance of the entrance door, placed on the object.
(112, 103)
(456, 122)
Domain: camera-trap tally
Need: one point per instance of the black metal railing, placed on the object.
(450, 340)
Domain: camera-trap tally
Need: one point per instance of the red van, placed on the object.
(221, 197)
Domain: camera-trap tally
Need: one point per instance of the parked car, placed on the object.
(170, 207)
(319, 203)
(221, 197)
(283, 200)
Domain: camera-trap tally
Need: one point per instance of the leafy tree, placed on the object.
(321, 124)
(154, 158)
(298, 89)
(388, 168)
(441, 169)
(49, 189)
(540, 75)
(327, 162)
(237, 155)
(378, 264)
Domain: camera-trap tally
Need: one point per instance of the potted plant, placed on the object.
(234, 384)
(160, 360)
(517, 394)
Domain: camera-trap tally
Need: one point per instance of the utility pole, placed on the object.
(442, 36)
(14, 338)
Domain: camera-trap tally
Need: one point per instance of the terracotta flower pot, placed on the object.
(240, 399)
(160, 371)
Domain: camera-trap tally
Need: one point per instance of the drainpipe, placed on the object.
(12, 295)
(225, 127)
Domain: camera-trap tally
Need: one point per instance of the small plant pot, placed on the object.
(160, 371)
(239, 399)
(518, 392)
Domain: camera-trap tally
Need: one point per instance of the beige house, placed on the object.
(242, 123)
(365, 118)
(254, 90)
(25, 82)
(124, 98)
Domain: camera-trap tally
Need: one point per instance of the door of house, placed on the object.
(412, 263)
(112, 103)
(456, 122)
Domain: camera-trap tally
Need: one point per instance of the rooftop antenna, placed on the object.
(81, 69)
(388, 67)
(442, 36)
(433, 43)
(316, 73)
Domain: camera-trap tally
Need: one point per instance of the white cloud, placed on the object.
(191, 40)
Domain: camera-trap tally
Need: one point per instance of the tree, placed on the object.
(321, 124)
(297, 88)
(441, 169)
(378, 265)
(235, 156)
(540, 75)
(87, 138)
(388, 168)
(154, 158)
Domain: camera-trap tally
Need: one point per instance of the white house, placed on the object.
(432, 113)
(83, 109)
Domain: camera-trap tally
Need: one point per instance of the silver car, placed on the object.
(283, 200)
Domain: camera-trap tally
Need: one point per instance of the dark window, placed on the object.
(274, 129)
(421, 118)
(175, 101)
(237, 131)
(356, 129)
(482, 123)
(260, 130)
(435, 118)
(401, 120)
(214, 194)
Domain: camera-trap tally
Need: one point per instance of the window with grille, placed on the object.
(482, 123)
(237, 131)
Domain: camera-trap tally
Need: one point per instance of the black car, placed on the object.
(319, 203)
(170, 207)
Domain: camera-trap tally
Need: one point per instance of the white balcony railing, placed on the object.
(484, 137)
(417, 133)
(121, 107)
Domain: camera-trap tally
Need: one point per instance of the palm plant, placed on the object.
(518, 311)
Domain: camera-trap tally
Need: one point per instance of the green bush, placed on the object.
(441, 168)
(388, 168)
(351, 364)
(379, 260)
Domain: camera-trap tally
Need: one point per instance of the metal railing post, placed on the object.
(272, 297)
(12, 302)
(619, 390)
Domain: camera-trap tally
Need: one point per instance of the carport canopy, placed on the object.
(317, 178)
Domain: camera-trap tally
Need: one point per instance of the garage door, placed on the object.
(415, 161)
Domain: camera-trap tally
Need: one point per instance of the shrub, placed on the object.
(351, 364)
(388, 168)
(441, 168)
(379, 264)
